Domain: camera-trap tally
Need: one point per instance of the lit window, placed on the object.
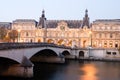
(105, 44)
(94, 44)
(100, 44)
(111, 44)
(108, 27)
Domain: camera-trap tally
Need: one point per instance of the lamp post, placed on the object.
(19, 34)
(90, 38)
(90, 33)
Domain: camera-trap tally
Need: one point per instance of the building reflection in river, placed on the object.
(90, 72)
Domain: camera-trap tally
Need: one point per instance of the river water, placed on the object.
(75, 70)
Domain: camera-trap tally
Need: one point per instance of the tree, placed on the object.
(13, 34)
(3, 33)
(7, 39)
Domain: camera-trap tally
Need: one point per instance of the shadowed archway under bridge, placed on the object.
(5, 65)
(67, 54)
(6, 61)
(45, 55)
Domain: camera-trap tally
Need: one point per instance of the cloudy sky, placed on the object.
(59, 9)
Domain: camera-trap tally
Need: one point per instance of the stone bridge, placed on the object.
(17, 51)
(34, 51)
(25, 53)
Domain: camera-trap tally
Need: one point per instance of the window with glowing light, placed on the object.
(94, 43)
(111, 44)
(105, 44)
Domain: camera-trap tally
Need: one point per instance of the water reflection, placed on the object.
(74, 70)
(90, 72)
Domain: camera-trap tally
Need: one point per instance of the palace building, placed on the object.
(74, 33)
(106, 33)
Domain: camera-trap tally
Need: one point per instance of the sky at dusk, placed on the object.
(59, 9)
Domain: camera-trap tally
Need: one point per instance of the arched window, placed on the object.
(39, 40)
(111, 44)
(116, 44)
(105, 43)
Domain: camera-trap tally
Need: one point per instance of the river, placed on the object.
(74, 70)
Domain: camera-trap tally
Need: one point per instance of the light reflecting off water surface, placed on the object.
(75, 70)
(90, 72)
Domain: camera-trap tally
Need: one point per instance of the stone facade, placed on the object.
(106, 33)
(74, 33)
(26, 29)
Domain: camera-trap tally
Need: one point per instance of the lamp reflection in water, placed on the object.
(90, 72)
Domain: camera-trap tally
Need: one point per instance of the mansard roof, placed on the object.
(5, 24)
(70, 23)
(43, 22)
(51, 23)
(25, 20)
(106, 21)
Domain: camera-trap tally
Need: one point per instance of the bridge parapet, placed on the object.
(4, 46)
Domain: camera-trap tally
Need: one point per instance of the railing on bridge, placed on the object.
(29, 45)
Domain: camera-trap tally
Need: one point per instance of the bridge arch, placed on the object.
(65, 53)
(45, 53)
(7, 61)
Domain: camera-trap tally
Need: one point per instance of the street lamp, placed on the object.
(90, 38)
(19, 34)
(89, 48)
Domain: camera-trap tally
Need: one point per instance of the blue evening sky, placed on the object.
(59, 9)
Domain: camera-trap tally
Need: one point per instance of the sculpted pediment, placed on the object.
(62, 25)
